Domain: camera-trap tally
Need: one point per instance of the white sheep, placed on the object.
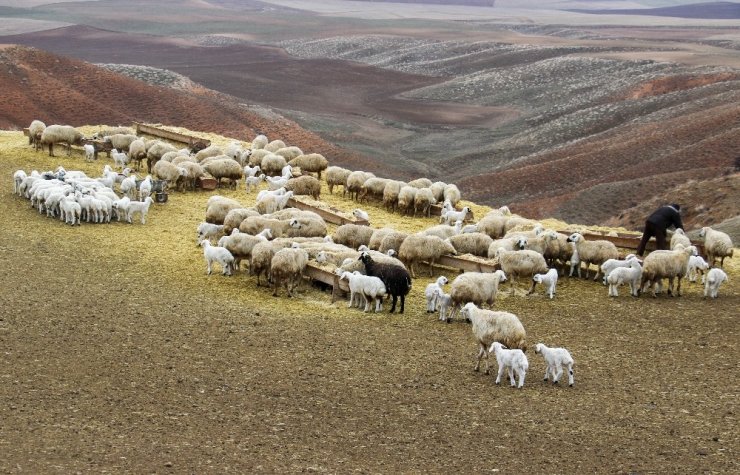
(514, 360)
(141, 207)
(208, 231)
(361, 214)
(253, 182)
(548, 279)
(679, 237)
(712, 281)
(89, 152)
(610, 264)
(368, 287)
(219, 255)
(70, 210)
(621, 275)
(489, 326)
(555, 359)
(452, 216)
(444, 303)
(273, 183)
(286, 267)
(128, 186)
(432, 291)
(696, 264)
(593, 252)
(251, 171)
(717, 245)
(120, 159)
(145, 188)
(661, 264)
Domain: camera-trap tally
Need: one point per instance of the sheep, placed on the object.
(274, 146)
(610, 264)
(493, 225)
(489, 326)
(443, 231)
(240, 245)
(128, 186)
(18, 178)
(55, 134)
(120, 159)
(70, 210)
(34, 133)
(234, 151)
(89, 152)
(336, 176)
(717, 245)
(432, 292)
(548, 279)
(304, 185)
(452, 194)
(225, 168)
(120, 207)
(253, 181)
(396, 278)
(421, 183)
(406, 198)
(377, 238)
(289, 153)
(474, 243)
(575, 261)
(696, 264)
(306, 227)
(521, 264)
(271, 203)
(255, 224)
(392, 241)
(276, 183)
(390, 194)
(102, 134)
(141, 207)
(121, 141)
(679, 237)
(155, 152)
(210, 151)
(235, 216)
(137, 152)
(251, 171)
(194, 171)
(286, 267)
(259, 142)
(438, 190)
(621, 275)
(712, 281)
(171, 173)
(372, 188)
(255, 158)
(555, 359)
(217, 254)
(515, 360)
(593, 252)
(666, 264)
(310, 163)
(353, 235)
(355, 180)
(218, 207)
(452, 216)
(477, 287)
(272, 164)
(423, 201)
(419, 247)
(368, 287)
(261, 259)
(444, 303)
(361, 215)
(209, 231)
(509, 244)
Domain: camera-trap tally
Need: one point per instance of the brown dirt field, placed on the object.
(120, 354)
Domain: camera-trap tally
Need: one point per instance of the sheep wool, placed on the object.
(717, 245)
(419, 247)
(336, 176)
(304, 185)
(310, 163)
(286, 268)
(489, 326)
(55, 134)
(477, 287)
(353, 235)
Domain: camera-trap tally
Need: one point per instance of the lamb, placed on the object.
(433, 291)
(477, 287)
(353, 235)
(593, 252)
(274, 146)
(251, 171)
(208, 231)
(70, 210)
(444, 303)
(372, 188)
(234, 151)
(225, 168)
(717, 245)
(712, 281)
(141, 207)
(311, 163)
(219, 255)
(137, 152)
(421, 183)
(419, 247)
(169, 172)
(355, 180)
(476, 244)
(406, 199)
(423, 201)
(218, 207)
(666, 264)
(390, 194)
(369, 287)
(489, 326)
(128, 186)
(515, 360)
(555, 359)
(55, 134)
(120, 160)
(679, 237)
(145, 188)
(521, 264)
(336, 176)
(305, 185)
(89, 152)
(444, 231)
(549, 280)
(259, 142)
(120, 207)
(696, 264)
(34, 133)
(575, 262)
(610, 264)
(452, 216)
(253, 182)
(621, 275)
(396, 279)
(18, 178)
(361, 215)
(272, 203)
(286, 268)
(452, 194)
(276, 183)
(392, 241)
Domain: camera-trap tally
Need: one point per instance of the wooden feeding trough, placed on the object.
(628, 241)
(206, 183)
(169, 135)
(326, 277)
(330, 215)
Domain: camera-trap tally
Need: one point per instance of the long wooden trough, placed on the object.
(331, 215)
(629, 241)
(169, 135)
(316, 273)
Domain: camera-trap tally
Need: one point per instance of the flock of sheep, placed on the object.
(279, 242)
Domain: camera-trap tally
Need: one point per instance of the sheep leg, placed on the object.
(208, 262)
(558, 374)
(51, 149)
(531, 290)
(678, 289)
(393, 306)
(547, 373)
(403, 300)
(571, 382)
(511, 377)
(522, 375)
(670, 286)
(500, 373)
(431, 268)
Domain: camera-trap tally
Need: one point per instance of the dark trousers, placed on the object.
(650, 231)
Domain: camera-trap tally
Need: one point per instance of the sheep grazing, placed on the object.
(717, 245)
(714, 278)
(390, 194)
(34, 133)
(336, 176)
(666, 264)
(259, 142)
(372, 189)
(218, 207)
(697, 265)
(240, 245)
(355, 180)
(549, 280)
(121, 141)
(274, 146)
(452, 194)
(286, 268)
(226, 168)
(610, 264)
(234, 218)
(304, 185)
(521, 264)
(370, 288)
(210, 151)
(555, 359)
(396, 279)
(489, 326)
(392, 241)
(477, 287)
(155, 152)
(137, 152)
(271, 203)
(621, 275)
(208, 231)
(421, 183)
(289, 153)
(141, 207)
(56, 134)
(406, 199)
(473, 243)
(433, 291)
(418, 247)
(593, 252)
(219, 255)
(194, 171)
(679, 237)
(423, 201)
(310, 163)
(353, 235)
(514, 360)
(170, 173)
(443, 230)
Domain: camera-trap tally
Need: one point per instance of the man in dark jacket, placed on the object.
(657, 224)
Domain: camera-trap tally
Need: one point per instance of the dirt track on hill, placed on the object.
(116, 358)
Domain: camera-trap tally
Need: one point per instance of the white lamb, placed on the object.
(217, 254)
(128, 186)
(251, 171)
(276, 182)
(208, 231)
(369, 287)
(89, 152)
(623, 275)
(253, 182)
(444, 303)
(141, 207)
(555, 359)
(145, 188)
(696, 264)
(119, 159)
(549, 280)
(513, 360)
(712, 281)
(361, 214)
(611, 264)
(432, 291)
(451, 216)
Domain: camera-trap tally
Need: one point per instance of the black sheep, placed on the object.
(396, 279)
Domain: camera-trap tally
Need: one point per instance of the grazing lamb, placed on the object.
(717, 245)
(610, 264)
(208, 231)
(555, 359)
(368, 287)
(433, 291)
(593, 252)
(549, 280)
(712, 281)
(219, 255)
(489, 326)
(514, 360)
(666, 264)
(141, 207)
(396, 278)
(621, 275)
(474, 287)
(89, 152)
(696, 265)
